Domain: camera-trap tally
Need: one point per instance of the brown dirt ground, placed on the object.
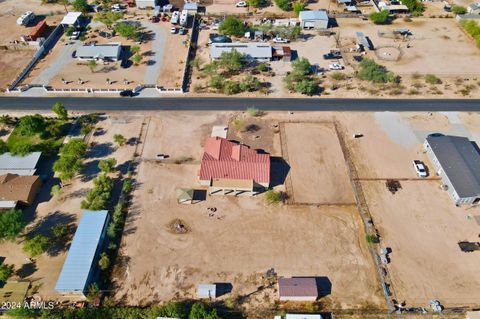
(11, 63)
(243, 239)
(317, 166)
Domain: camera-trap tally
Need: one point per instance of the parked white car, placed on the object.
(241, 4)
(280, 40)
(75, 35)
(173, 30)
(420, 168)
(335, 66)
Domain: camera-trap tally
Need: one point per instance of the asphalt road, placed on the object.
(224, 103)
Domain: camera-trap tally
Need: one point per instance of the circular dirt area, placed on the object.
(178, 226)
(388, 53)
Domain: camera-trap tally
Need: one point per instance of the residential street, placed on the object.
(220, 103)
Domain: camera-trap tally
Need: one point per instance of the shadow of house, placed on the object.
(324, 286)
(279, 170)
(223, 288)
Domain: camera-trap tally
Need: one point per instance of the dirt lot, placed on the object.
(11, 63)
(158, 264)
(43, 272)
(433, 42)
(315, 146)
(420, 222)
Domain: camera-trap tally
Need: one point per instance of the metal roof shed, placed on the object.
(207, 291)
(71, 18)
(302, 316)
(79, 268)
(21, 165)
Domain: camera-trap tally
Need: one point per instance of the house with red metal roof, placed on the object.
(233, 169)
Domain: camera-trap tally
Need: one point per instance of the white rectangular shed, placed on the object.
(206, 291)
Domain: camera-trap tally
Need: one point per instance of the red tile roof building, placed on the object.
(226, 160)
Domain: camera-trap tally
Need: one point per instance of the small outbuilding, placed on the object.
(298, 289)
(302, 316)
(206, 291)
(191, 7)
(283, 53)
(146, 4)
(314, 19)
(80, 267)
(71, 19)
(185, 195)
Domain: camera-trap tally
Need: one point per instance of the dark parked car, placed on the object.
(126, 93)
(332, 55)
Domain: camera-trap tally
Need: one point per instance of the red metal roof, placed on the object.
(38, 30)
(225, 159)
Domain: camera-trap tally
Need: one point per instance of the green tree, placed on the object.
(108, 18)
(97, 198)
(104, 261)
(117, 216)
(231, 61)
(21, 148)
(119, 139)
(36, 245)
(59, 109)
(6, 271)
(59, 231)
(199, 311)
(70, 160)
(56, 190)
(127, 186)
(80, 5)
(285, 5)
(414, 6)
(307, 86)
(134, 49)
(262, 67)
(253, 111)
(232, 26)
(3, 147)
(255, 3)
(137, 58)
(382, 17)
(93, 291)
(31, 124)
(298, 6)
(459, 10)
(127, 30)
(107, 165)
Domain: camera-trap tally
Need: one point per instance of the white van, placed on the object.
(184, 18)
(175, 17)
(26, 18)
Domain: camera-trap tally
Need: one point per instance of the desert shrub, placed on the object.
(432, 79)
(382, 17)
(371, 71)
(459, 10)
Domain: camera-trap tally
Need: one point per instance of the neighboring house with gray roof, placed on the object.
(474, 8)
(101, 52)
(252, 51)
(20, 165)
(457, 162)
(313, 19)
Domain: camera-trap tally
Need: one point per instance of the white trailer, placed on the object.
(175, 17)
(26, 18)
(184, 18)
